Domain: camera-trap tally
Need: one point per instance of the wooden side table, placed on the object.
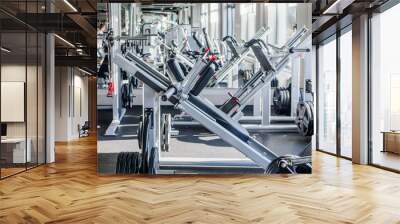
(391, 141)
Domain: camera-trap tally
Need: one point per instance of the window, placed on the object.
(248, 20)
(214, 21)
(204, 15)
(327, 97)
(385, 89)
(346, 94)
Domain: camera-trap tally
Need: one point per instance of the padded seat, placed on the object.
(205, 75)
(175, 70)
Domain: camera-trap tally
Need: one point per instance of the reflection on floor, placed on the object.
(13, 168)
(127, 128)
(387, 159)
(10, 171)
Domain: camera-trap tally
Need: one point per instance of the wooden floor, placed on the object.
(387, 159)
(70, 191)
(5, 172)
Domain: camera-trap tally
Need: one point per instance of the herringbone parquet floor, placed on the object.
(70, 191)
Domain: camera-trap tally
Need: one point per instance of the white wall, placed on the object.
(61, 103)
(14, 73)
(71, 102)
(79, 117)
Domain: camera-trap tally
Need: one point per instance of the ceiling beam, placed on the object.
(86, 26)
(78, 61)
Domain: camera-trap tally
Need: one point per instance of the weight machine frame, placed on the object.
(157, 85)
(260, 80)
(268, 71)
(239, 54)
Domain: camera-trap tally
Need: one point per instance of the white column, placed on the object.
(257, 105)
(196, 15)
(307, 69)
(360, 90)
(238, 21)
(266, 104)
(314, 89)
(115, 25)
(50, 98)
(151, 99)
(295, 93)
(131, 19)
(50, 92)
(282, 23)
(271, 23)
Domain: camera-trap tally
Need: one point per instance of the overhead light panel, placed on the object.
(86, 72)
(70, 5)
(80, 51)
(5, 50)
(65, 41)
(338, 6)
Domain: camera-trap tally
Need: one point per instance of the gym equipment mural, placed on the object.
(181, 75)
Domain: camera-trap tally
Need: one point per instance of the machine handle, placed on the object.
(294, 50)
(233, 40)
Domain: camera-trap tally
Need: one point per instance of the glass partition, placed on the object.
(22, 86)
(14, 153)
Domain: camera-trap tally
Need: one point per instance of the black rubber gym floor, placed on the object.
(128, 124)
(127, 128)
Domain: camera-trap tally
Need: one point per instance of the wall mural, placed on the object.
(219, 88)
